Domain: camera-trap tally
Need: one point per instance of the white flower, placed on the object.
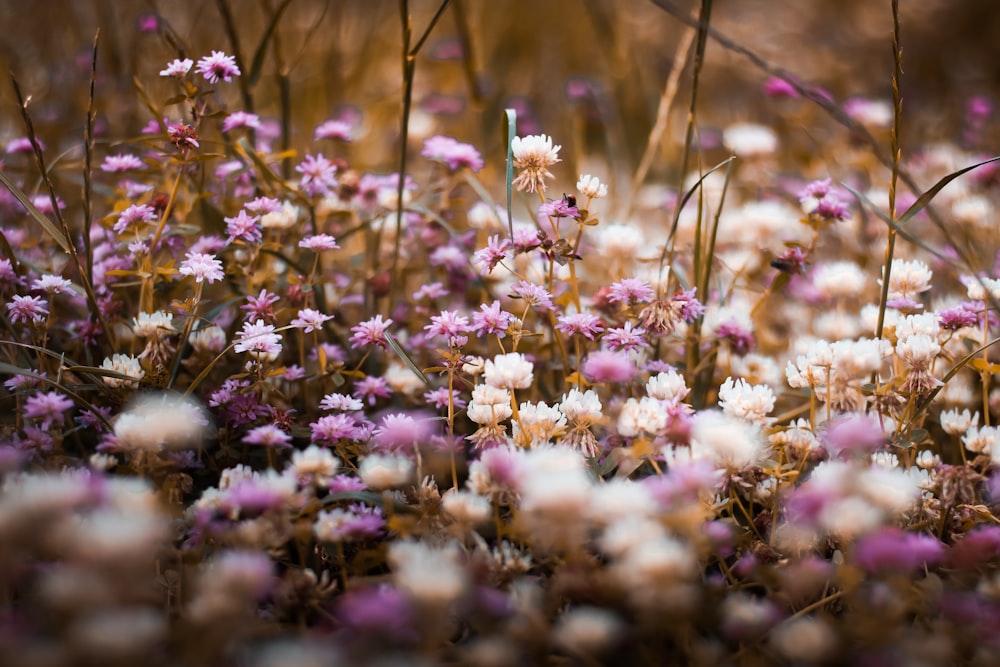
(209, 340)
(918, 351)
(922, 323)
(840, 280)
(126, 365)
(533, 155)
(385, 472)
(538, 423)
(980, 288)
(431, 575)
(620, 242)
(726, 441)
(644, 415)
(315, 461)
(582, 408)
(402, 380)
(667, 386)
(745, 401)
(509, 371)
(981, 440)
(750, 140)
(956, 423)
(591, 186)
(466, 507)
(283, 218)
(153, 325)
(156, 422)
(908, 278)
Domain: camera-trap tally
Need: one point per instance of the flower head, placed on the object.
(370, 332)
(453, 153)
(533, 155)
(27, 309)
(259, 340)
(203, 267)
(135, 215)
(310, 320)
(218, 66)
(177, 67)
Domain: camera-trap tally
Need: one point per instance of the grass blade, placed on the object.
(925, 199)
(49, 226)
(509, 132)
(401, 353)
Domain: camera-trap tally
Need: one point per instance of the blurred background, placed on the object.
(588, 72)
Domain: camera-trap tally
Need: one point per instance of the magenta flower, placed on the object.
(310, 320)
(495, 252)
(449, 324)
(370, 332)
(331, 429)
(23, 145)
(27, 309)
(319, 242)
(491, 320)
(965, 314)
(607, 366)
(318, 175)
(894, 550)
(182, 136)
(202, 267)
(558, 208)
(334, 129)
(439, 398)
(177, 68)
(625, 338)
(587, 325)
(260, 307)
(218, 66)
(259, 340)
(371, 388)
(854, 433)
(263, 205)
(400, 431)
(452, 153)
(435, 290)
(244, 228)
(241, 119)
(135, 215)
(630, 291)
(534, 295)
(50, 408)
(121, 162)
(268, 435)
(741, 341)
(341, 402)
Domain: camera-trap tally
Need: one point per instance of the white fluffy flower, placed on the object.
(956, 423)
(752, 403)
(509, 371)
(982, 440)
(591, 186)
(385, 472)
(726, 441)
(126, 365)
(156, 422)
(908, 278)
(583, 408)
(644, 415)
(839, 280)
(538, 423)
(667, 386)
(979, 288)
(750, 139)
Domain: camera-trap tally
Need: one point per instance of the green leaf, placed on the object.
(925, 199)
(46, 224)
(509, 132)
(401, 353)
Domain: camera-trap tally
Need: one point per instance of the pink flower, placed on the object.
(268, 435)
(260, 307)
(584, 324)
(52, 284)
(319, 242)
(244, 228)
(50, 408)
(27, 309)
(334, 129)
(241, 119)
(625, 338)
(177, 68)
(121, 162)
(607, 366)
(137, 214)
(494, 253)
(630, 291)
(202, 267)
(370, 332)
(310, 320)
(330, 429)
(259, 340)
(491, 320)
(23, 145)
(318, 175)
(452, 153)
(893, 550)
(218, 66)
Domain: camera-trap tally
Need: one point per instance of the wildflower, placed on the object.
(876, 113)
(745, 401)
(24, 145)
(400, 431)
(49, 408)
(668, 386)
(241, 119)
(218, 66)
(451, 325)
(137, 215)
(385, 472)
(587, 325)
(956, 423)
(314, 463)
(538, 424)
(958, 317)
(452, 153)
(177, 67)
(52, 284)
(370, 332)
(489, 406)
(839, 280)
(341, 402)
(310, 320)
(629, 291)
(509, 371)
(582, 410)
(281, 217)
(331, 429)
(495, 252)
(27, 309)
(980, 288)
(919, 352)
(162, 421)
(202, 267)
(533, 155)
(259, 340)
(183, 136)
(739, 337)
(153, 325)
(982, 440)
(853, 433)
(372, 388)
(819, 199)
(534, 295)
(748, 140)
(334, 129)
(466, 507)
(357, 522)
(123, 364)
(430, 575)
(121, 162)
(268, 435)
(318, 175)
(244, 228)
(558, 208)
(431, 291)
(625, 338)
(726, 441)
(591, 187)
(439, 398)
(641, 416)
(318, 242)
(608, 366)
(260, 307)
(491, 320)
(907, 279)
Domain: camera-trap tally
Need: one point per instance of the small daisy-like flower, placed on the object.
(509, 371)
(319, 242)
(625, 338)
(630, 291)
(919, 352)
(752, 403)
(372, 388)
(310, 320)
(259, 340)
(315, 463)
(591, 186)
(907, 279)
(534, 295)
(491, 320)
(153, 325)
(241, 119)
(27, 309)
(341, 402)
(121, 162)
(177, 67)
(260, 307)
(263, 205)
(533, 155)
(495, 252)
(135, 215)
(334, 129)
(435, 290)
(453, 153)
(183, 136)
(958, 317)
(203, 267)
(23, 145)
(52, 284)
(439, 398)
(318, 175)
(449, 324)
(982, 440)
(244, 228)
(819, 199)
(268, 435)
(979, 288)
(584, 324)
(956, 423)
(218, 66)
(49, 408)
(125, 365)
(370, 332)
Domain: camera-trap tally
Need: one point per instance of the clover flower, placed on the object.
(533, 155)
(123, 364)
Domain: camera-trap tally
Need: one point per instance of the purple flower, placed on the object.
(687, 306)
(608, 366)
(400, 431)
(27, 309)
(371, 389)
(630, 291)
(854, 433)
(259, 340)
(452, 153)
(625, 338)
(50, 408)
(218, 66)
(491, 320)
(381, 611)
(241, 119)
(965, 314)
(334, 129)
(534, 295)
(893, 550)
(203, 267)
(310, 320)
(183, 136)
(318, 175)
(23, 145)
(137, 214)
(439, 398)
(121, 162)
(978, 547)
(449, 324)
(263, 205)
(260, 307)
(319, 242)
(244, 228)
(52, 284)
(583, 324)
(740, 340)
(370, 332)
(268, 435)
(494, 253)
(435, 290)
(331, 429)
(558, 208)
(778, 87)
